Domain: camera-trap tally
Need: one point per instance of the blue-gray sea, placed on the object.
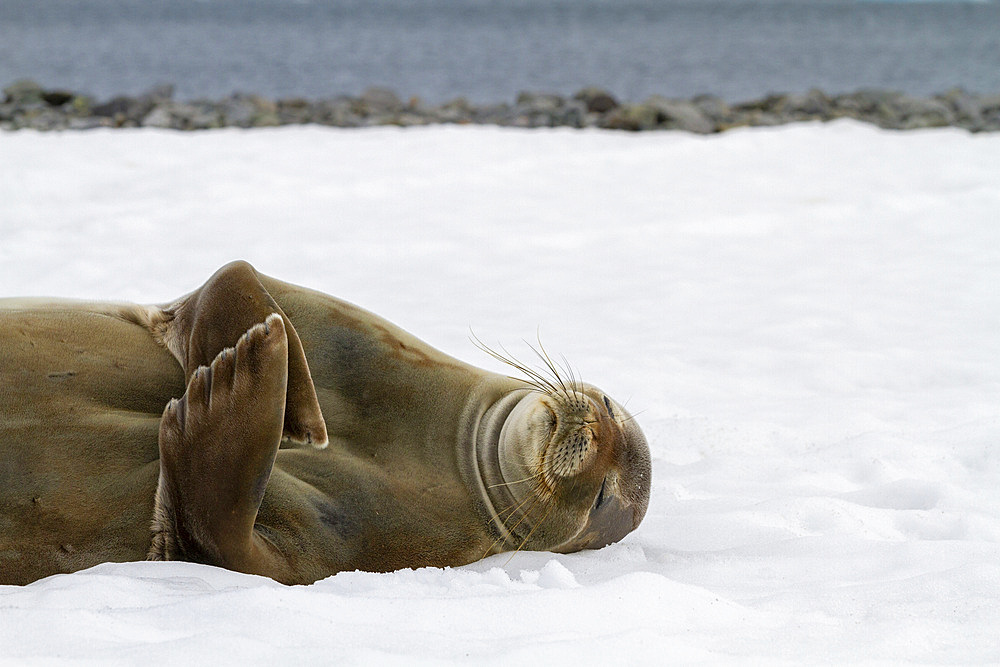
(489, 50)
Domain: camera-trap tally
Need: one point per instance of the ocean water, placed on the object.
(489, 50)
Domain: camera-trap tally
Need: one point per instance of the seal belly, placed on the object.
(376, 516)
(82, 389)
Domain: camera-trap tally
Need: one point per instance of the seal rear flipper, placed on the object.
(210, 319)
(217, 448)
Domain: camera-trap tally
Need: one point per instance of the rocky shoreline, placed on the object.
(27, 105)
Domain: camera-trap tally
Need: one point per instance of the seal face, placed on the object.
(568, 470)
(301, 436)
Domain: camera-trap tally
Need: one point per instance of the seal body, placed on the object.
(207, 420)
(81, 393)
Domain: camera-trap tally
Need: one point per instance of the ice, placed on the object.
(804, 320)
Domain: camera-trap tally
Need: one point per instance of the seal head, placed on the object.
(567, 468)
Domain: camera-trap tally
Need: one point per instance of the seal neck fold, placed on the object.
(493, 488)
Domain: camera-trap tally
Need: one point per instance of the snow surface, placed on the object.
(805, 320)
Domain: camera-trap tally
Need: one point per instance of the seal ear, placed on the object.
(212, 318)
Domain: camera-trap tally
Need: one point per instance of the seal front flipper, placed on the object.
(217, 447)
(211, 318)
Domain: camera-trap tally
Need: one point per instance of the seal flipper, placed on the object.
(210, 319)
(217, 447)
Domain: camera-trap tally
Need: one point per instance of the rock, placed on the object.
(989, 110)
(680, 115)
(573, 114)
(814, 105)
(267, 112)
(23, 92)
(968, 108)
(130, 111)
(160, 116)
(537, 110)
(238, 111)
(714, 108)
(201, 115)
(778, 109)
(42, 119)
(766, 119)
(876, 100)
(917, 113)
(490, 114)
(380, 119)
(989, 103)
(89, 123)
(81, 106)
(539, 103)
(248, 111)
(759, 105)
(457, 110)
(338, 112)
(114, 107)
(57, 98)
(597, 100)
(124, 111)
(411, 119)
(872, 106)
(631, 117)
(295, 111)
(184, 116)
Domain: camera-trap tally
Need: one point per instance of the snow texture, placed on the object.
(805, 320)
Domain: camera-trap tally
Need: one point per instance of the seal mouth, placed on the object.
(608, 521)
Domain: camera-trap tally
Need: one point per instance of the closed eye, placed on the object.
(607, 404)
(600, 495)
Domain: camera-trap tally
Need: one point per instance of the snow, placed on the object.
(803, 318)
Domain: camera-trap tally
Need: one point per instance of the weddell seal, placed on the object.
(271, 429)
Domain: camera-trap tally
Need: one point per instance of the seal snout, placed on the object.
(600, 456)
